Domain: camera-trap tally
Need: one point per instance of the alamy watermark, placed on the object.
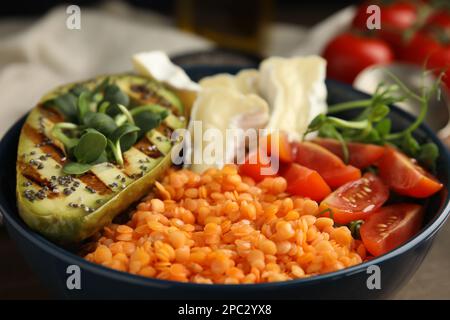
(374, 20)
(214, 147)
(73, 280)
(373, 282)
(73, 20)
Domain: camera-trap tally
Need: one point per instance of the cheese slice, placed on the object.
(246, 81)
(223, 108)
(295, 90)
(157, 65)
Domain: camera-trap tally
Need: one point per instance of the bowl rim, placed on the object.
(61, 253)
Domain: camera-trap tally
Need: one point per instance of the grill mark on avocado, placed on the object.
(146, 147)
(33, 176)
(93, 182)
(40, 139)
(152, 97)
(165, 130)
(50, 113)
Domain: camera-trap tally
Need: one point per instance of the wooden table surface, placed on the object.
(432, 280)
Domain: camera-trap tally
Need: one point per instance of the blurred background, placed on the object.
(38, 51)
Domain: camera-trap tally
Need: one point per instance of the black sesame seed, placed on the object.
(40, 194)
(29, 195)
(90, 189)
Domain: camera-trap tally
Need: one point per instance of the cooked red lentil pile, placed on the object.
(220, 227)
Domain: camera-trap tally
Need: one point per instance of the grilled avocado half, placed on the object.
(67, 208)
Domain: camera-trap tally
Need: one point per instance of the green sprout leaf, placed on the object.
(372, 124)
(148, 117)
(90, 146)
(76, 168)
(100, 122)
(123, 139)
(114, 95)
(410, 145)
(78, 89)
(84, 105)
(59, 132)
(66, 104)
(383, 127)
(428, 155)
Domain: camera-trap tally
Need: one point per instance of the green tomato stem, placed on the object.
(414, 126)
(349, 106)
(360, 125)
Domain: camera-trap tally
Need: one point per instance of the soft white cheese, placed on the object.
(224, 108)
(157, 65)
(295, 90)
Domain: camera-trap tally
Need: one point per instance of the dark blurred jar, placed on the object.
(239, 25)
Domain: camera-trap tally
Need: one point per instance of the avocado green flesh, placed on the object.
(72, 217)
(157, 90)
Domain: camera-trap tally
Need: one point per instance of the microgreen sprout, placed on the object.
(372, 124)
(99, 126)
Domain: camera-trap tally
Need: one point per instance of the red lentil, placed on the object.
(219, 227)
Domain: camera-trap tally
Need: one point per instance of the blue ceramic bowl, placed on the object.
(50, 262)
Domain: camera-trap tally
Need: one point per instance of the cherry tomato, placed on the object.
(257, 169)
(305, 182)
(405, 177)
(390, 227)
(280, 143)
(429, 48)
(348, 54)
(361, 155)
(356, 200)
(439, 19)
(396, 18)
(419, 48)
(328, 165)
(339, 177)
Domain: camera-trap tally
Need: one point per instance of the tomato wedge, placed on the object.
(327, 164)
(338, 177)
(361, 155)
(257, 170)
(390, 227)
(406, 177)
(305, 182)
(279, 141)
(356, 200)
